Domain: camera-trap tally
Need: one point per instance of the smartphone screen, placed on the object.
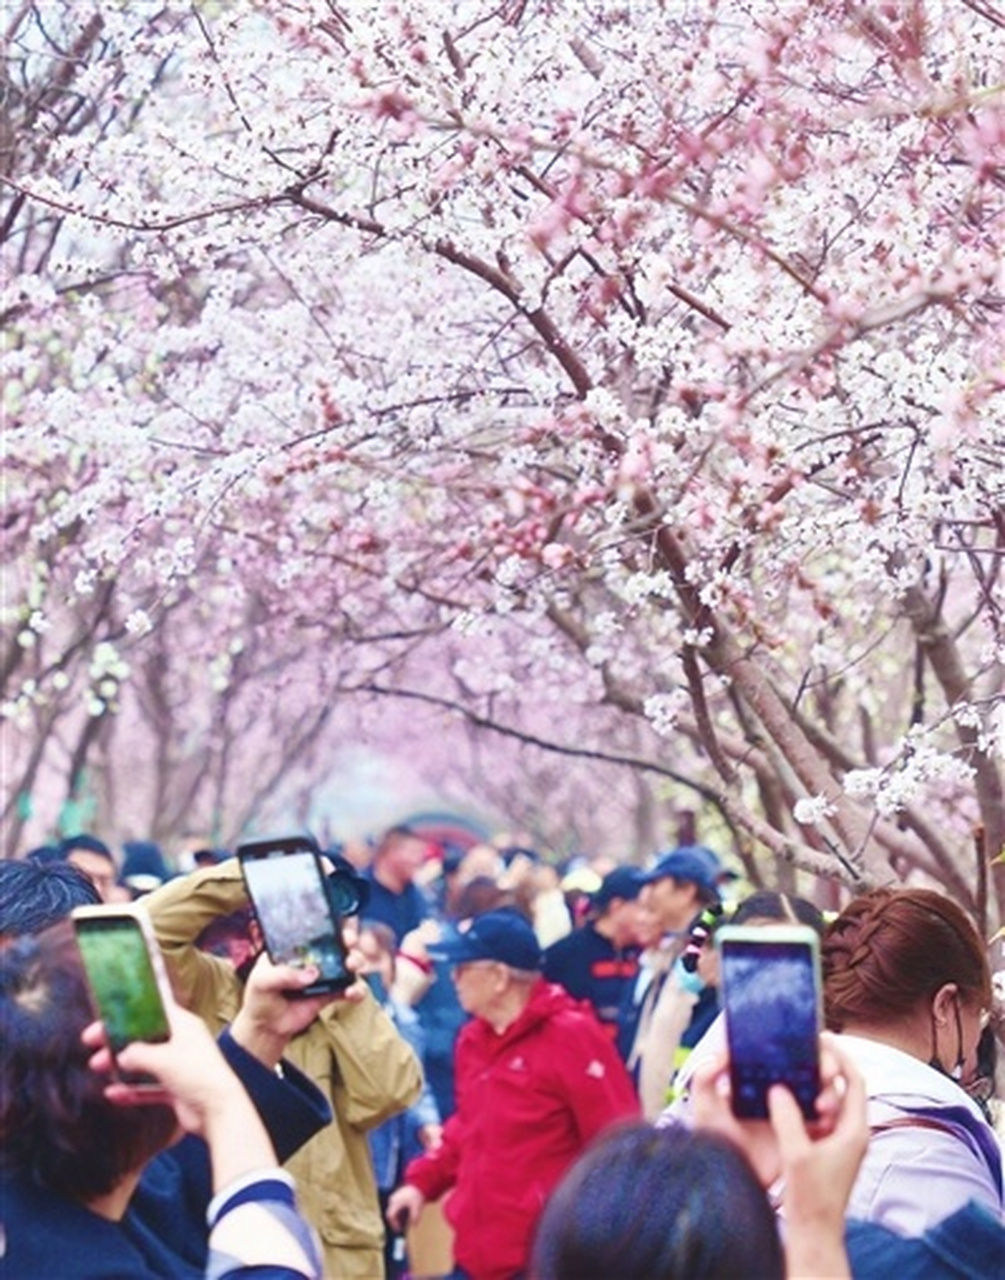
(121, 976)
(287, 888)
(771, 996)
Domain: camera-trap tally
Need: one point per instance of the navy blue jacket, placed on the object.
(164, 1233)
(590, 967)
(401, 912)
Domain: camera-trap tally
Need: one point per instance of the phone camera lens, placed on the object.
(343, 894)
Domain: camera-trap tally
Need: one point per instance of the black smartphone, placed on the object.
(288, 889)
(772, 1000)
(126, 976)
(376, 984)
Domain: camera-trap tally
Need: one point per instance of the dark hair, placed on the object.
(208, 857)
(768, 905)
(763, 905)
(480, 895)
(144, 866)
(44, 853)
(86, 844)
(34, 895)
(400, 831)
(384, 935)
(56, 1127)
(222, 930)
(658, 1204)
(890, 949)
(509, 853)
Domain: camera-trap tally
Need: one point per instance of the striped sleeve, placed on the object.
(254, 1223)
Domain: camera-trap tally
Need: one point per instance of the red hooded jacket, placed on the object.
(528, 1102)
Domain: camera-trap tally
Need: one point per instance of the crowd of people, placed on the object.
(526, 1079)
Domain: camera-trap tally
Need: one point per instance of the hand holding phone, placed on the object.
(273, 1009)
(772, 1001)
(126, 977)
(813, 1164)
(288, 889)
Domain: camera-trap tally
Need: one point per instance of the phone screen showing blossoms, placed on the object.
(771, 998)
(288, 894)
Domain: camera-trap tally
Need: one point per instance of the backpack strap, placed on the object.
(961, 1127)
(914, 1122)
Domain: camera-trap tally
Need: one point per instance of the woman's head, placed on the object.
(766, 907)
(658, 1204)
(56, 1127)
(769, 907)
(894, 956)
(379, 947)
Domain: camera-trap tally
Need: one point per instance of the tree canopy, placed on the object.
(623, 381)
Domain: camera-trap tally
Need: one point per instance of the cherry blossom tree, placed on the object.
(624, 381)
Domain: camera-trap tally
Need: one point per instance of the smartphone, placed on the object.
(288, 889)
(126, 976)
(376, 984)
(771, 995)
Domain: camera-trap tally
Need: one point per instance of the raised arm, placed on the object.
(815, 1165)
(374, 1074)
(253, 1219)
(180, 910)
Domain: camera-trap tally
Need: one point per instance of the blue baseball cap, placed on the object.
(692, 862)
(504, 936)
(622, 882)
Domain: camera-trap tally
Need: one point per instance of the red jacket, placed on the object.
(528, 1102)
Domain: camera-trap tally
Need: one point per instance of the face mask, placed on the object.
(956, 1075)
(691, 982)
(981, 1088)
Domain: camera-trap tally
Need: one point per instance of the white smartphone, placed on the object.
(125, 974)
(771, 995)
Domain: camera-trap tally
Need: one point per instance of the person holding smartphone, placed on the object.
(350, 1050)
(77, 1140)
(168, 1208)
(676, 1204)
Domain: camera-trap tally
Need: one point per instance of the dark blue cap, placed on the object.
(504, 936)
(692, 862)
(622, 882)
(86, 844)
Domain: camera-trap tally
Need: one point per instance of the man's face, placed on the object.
(476, 983)
(98, 870)
(648, 928)
(626, 916)
(405, 855)
(673, 902)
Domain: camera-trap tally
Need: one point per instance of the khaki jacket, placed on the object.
(666, 1012)
(352, 1052)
